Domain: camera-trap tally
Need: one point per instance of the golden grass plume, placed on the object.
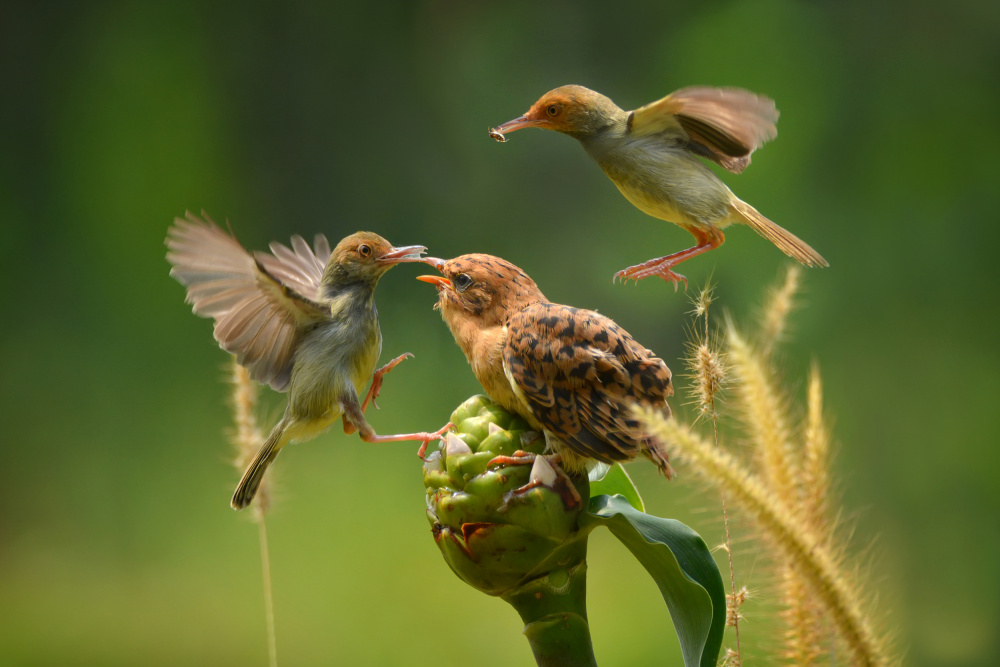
(785, 489)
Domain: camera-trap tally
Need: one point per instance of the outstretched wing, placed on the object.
(261, 303)
(579, 374)
(724, 125)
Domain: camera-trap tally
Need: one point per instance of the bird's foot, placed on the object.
(376, 386)
(545, 472)
(431, 437)
(661, 266)
(519, 458)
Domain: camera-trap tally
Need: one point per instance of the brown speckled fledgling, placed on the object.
(571, 372)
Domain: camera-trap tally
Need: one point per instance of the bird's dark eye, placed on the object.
(364, 250)
(553, 110)
(462, 282)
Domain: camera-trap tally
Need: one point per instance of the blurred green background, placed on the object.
(117, 544)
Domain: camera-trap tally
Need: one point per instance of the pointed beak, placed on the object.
(409, 253)
(437, 281)
(518, 123)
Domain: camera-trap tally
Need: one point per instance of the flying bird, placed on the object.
(300, 319)
(572, 373)
(654, 156)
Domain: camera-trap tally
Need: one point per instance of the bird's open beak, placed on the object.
(520, 123)
(437, 281)
(409, 253)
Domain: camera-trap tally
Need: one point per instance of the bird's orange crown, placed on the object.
(572, 110)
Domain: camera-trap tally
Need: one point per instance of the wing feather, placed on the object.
(724, 125)
(261, 303)
(580, 374)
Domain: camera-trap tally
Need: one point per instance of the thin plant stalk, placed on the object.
(248, 438)
(708, 373)
(265, 563)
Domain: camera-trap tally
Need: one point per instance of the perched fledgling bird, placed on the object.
(302, 320)
(653, 155)
(570, 372)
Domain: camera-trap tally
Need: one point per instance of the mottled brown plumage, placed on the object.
(572, 372)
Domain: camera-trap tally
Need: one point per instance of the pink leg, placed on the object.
(369, 435)
(706, 240)
(354, 416)
(437, 435)
(376, 386)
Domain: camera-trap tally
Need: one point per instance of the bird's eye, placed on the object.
(365, 250)
(553, 110)
(462, 282)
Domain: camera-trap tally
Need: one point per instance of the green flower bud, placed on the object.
(501, 523)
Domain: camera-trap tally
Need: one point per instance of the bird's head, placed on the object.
(573, 110)
(480, 288)
(364, 256)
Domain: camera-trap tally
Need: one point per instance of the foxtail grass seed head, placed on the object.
(705, 363)
(734, 602)
(764, 413)
(708, 375)
(780, 302)
(816, 454)
(246, 435)
(703, 300)
(832, 587)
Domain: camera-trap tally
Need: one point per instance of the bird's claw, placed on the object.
(654, 267)
(431, 437)
(376, 387)
(562, 484)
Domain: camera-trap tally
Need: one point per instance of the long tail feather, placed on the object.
(789, 243)
(254, 473)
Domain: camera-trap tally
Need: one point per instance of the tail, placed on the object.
(254, 473)
(657, 453)
(789, 243)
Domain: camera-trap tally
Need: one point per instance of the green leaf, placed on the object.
(613, 480)
(682, 567)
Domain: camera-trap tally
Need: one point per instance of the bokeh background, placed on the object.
(117, 544)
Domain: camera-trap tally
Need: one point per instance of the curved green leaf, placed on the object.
(682, 567)
(612, 480)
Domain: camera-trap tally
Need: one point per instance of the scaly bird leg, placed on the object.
(706, 239)
(376, 386)
(355, 417)
(551, 476)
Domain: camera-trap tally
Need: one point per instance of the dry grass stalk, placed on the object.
(248, 438)
(809, 556)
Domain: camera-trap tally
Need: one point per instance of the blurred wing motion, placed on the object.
(261, 303)
(580, 373)
(724, 125)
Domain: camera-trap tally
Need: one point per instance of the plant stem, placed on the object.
(265, 562)
(554, 611)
